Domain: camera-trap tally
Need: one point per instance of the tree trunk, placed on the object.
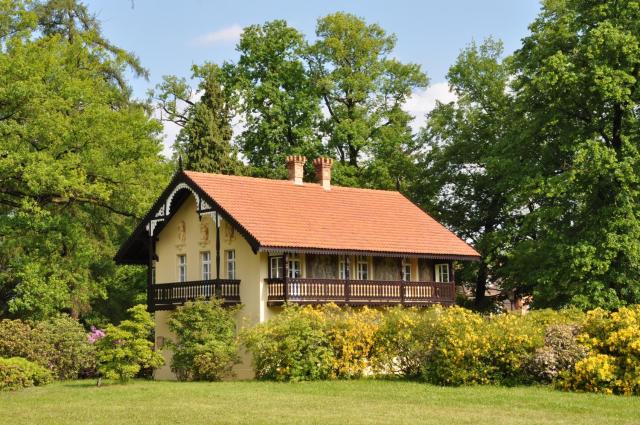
(481, 286)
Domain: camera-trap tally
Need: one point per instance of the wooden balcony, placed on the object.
(359, 292)
(167, 296)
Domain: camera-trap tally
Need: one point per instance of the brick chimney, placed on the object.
(295, 167)
(323, 171)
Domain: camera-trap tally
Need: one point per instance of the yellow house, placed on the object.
(261, 243)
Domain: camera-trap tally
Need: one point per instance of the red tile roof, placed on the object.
(280, 215)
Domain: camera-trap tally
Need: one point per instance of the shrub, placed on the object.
(206, 347)
(613, 364)
(292, 346)
(559, 354)
(126, 349)
(59, 344)
(351, 335)
(72, 351)
(16, 373)
(396, 349)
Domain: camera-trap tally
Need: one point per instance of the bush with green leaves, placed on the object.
(60, 344)
(17, 373)
(127, 348)
(206, 347)
(292, 346)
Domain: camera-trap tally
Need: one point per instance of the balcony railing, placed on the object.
(167, 296)
(359, 292)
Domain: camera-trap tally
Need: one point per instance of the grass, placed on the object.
(332, 402)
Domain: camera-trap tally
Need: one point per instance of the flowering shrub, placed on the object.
(206, 347)
(351, 335)
(292, 346)
(16, 373)
(396, 349)
(559, 354)
(59, 344)
(613, 364)
(126, 349)
(95, 335)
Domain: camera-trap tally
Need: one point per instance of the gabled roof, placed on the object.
(278, 215)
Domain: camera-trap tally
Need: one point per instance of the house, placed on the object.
(262, 243)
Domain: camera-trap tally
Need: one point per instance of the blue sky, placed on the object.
(170, 36)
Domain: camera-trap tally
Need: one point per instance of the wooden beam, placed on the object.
(218, 291)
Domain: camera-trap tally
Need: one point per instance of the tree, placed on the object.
(578, 86)
(279, 106)
(205, 115)
(79, 164)
(363, 90)
(465, 176)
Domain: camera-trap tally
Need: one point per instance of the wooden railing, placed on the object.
(166, 296)
(359, 292)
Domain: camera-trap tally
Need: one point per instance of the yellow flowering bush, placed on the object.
(351, 334)
(396, 349)
(613, 365)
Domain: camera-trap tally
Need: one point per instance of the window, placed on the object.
(182, 268)
(230, 255)
(205, 262)
(363, 268)
(293, 261)
(442, 272)
(344, 270)
(275, 268)
(406, 270)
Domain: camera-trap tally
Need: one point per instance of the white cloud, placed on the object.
(229, 34)
(423, 101)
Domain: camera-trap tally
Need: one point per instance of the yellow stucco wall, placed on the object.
(251, 269)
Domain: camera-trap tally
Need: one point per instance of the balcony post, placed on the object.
(150, 274)
(285, 276)
(401, 281)
(218, 288)
(347, 272)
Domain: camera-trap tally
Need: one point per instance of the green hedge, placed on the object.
(17, 373)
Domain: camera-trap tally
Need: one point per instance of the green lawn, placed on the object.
(338, 402)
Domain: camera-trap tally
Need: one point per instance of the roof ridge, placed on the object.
(284, 181)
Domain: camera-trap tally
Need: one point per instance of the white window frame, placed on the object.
(182, 267)
(205, 265)
(230, 261)
(362, 267)
(442, 271)
(344, 267)
(406, 270)
(294, 266)
(276, 269)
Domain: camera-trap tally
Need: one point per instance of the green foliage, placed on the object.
(206, 347)
(363, 89)
(126, 348)
(577, 82)
(59, 344)
(396, 350)
(292, 346)
(17, 373)
(79, 160)
(279, 107)
(465, 177)
(613, 363)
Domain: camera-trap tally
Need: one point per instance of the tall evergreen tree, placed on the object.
(204, 115)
